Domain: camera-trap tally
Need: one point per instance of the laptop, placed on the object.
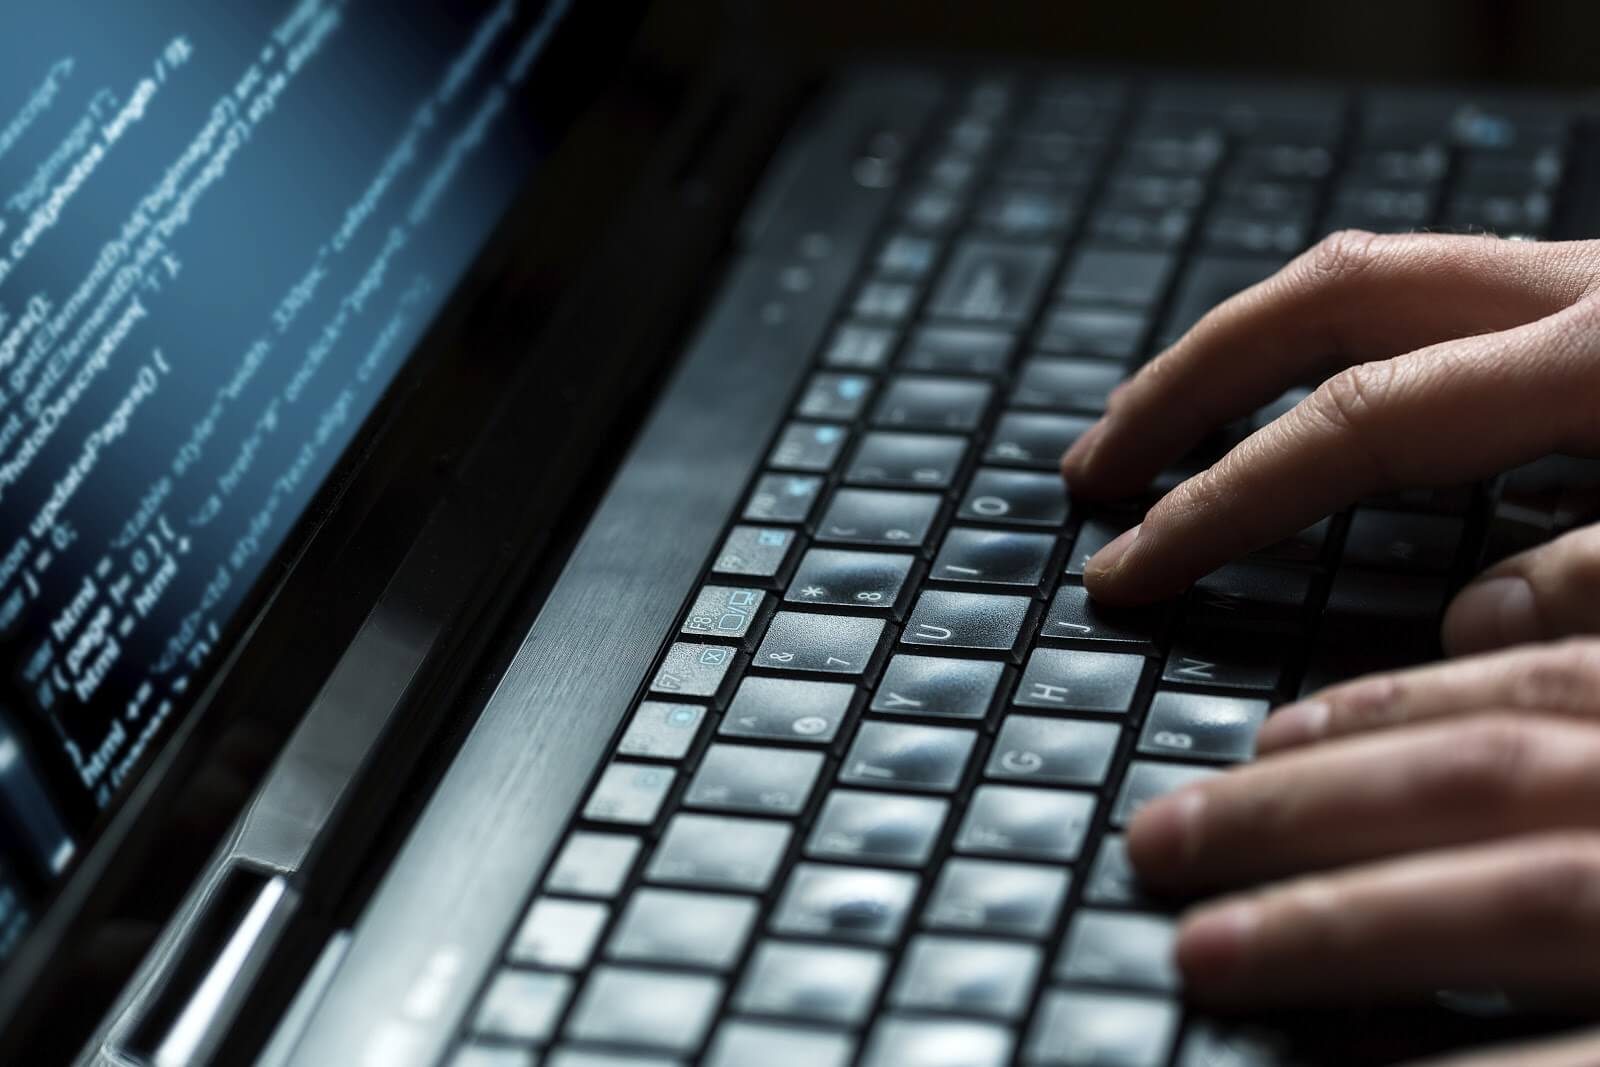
(511, 554)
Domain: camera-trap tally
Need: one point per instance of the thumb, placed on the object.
(1547, 592)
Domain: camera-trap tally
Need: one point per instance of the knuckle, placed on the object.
(1563, 676)
(1578, 559)
(1350, 404)
(1558, 888)
(1485, 767)
(1341, 256)
(1349, 399)
(1312, 914)
(1371, 702)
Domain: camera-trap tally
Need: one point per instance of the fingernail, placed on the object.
(1213, 943)
(1492, 614)
(1162, 838)
(1110, 557)
(1297, 724)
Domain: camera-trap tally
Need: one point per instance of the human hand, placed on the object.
(1452, 358)
(1431, 828)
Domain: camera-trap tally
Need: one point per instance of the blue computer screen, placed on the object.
(223, 226)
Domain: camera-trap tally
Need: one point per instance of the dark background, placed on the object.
(1541, 41)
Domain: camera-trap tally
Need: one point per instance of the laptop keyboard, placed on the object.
(869, 809)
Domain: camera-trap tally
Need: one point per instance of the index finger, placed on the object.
(1440, 415)
(1353, 297)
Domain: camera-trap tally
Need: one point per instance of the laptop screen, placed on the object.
(222, 228)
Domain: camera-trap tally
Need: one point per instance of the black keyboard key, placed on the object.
(726, 612)
(835, 396)
(1112, 879)
(902, 1041)
(1306, 546)
(907, 256)
(621, 1005)
(740, 1041)
(1101, 333)
(719, 852)
(1024, 439)
(972, 621)
(788, 709)
(1394, 599)
(901, 755)
(994, 897)
(959, 350)
(805, 446)
(1392, 540)
(1079, 385)
(687, 929)
(1237, 230)
(884, 300)
(1227, 659)
(929, 685)
(992, 284)
(1077, 1028)
(1175, 153)
(1092, 537)
(877, 828)
(1145, 781)
(879, 517)
(1193, 726)
(993, 557)
(1209, 1044)
(855, 346)
(1385, 209)
(1508, 214)
(1021, 823)
(755, 552)
(845, 578)
(845, 903)
(1052, 751)
(593, 865)
(917, 402)
(1015, 498)
(832, 644)
(965, 976)
(1433, 500)
(661, 731)
(1069, 679)
(693, 670)
(1208, 281)
(760, 781)
(1073, 616)
(932, 209)
(1252, 593)
(1027, 211)
(783, 498)
(629, 794)
(907, 460)
(1116, 948)
(523, 1005)
(1118, 276)
(1140, 228)
(822, 983)
(1350, 648)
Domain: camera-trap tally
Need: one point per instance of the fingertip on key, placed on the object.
(1213, 944)
(1293, 726)
(1162, 838)
(1077, 465)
